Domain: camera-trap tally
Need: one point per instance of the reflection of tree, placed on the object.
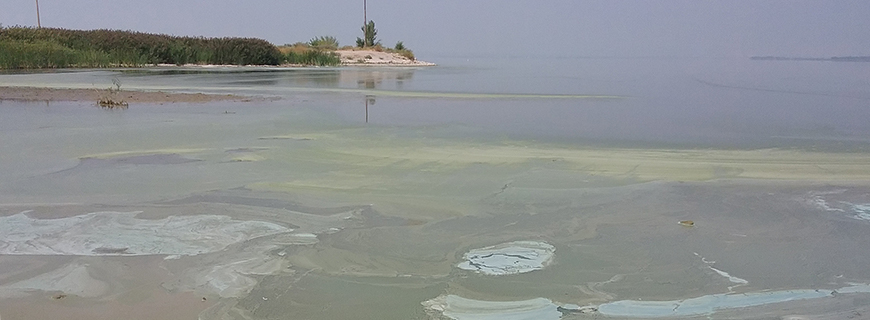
(369, 83)
(316, 78)
(262, 82)
(402, 76)
(376, 79)
(320, 78)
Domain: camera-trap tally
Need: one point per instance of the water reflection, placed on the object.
(348, 78)
(370, 100)
(378, 79)
(691, 103)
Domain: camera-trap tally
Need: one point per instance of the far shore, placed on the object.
(352, 57)
(36, 94)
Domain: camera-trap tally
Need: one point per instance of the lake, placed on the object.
(482, 188)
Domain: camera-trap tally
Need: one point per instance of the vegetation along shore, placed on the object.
(34, 48)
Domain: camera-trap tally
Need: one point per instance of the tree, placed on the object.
(324, 42)
(369, 34)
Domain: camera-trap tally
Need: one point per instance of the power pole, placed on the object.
(365, 19)
(38, 23)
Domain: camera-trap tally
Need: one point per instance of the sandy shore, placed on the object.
(376, 58)
(54, 94)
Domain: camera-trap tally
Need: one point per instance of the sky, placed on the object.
(501, 28)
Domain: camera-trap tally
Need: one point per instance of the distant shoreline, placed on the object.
(834, 59)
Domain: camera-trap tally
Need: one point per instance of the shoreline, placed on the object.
(39, 94)
(351, 58)
(348, 58)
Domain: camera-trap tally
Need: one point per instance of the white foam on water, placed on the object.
(855, 288)
(731, 278)
(121, 233)
(822, 203)
(459, 308)
(509, 258)
(711, 303)
(862, 211)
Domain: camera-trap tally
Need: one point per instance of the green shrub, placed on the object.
(45, 54)
(325, 43)
(312, 57)
(102, 48)
(407, 54)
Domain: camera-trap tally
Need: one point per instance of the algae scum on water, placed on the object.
(467, 205)
(359, 219)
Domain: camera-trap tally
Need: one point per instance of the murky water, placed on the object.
(300, 209)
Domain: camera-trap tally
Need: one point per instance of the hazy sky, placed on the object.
(690, 28)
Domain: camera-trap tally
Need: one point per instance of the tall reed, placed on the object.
(305, 54)
(23, 47)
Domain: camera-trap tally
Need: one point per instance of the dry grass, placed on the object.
(299, 47)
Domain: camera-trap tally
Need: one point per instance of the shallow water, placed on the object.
(330, 217)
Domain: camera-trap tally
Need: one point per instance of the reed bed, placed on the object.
(25, 47)
(306, 54)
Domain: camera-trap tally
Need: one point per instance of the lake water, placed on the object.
(557, 184)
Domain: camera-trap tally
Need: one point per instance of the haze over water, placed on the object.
(298, 208)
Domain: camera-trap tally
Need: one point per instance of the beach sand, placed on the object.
(377, 58)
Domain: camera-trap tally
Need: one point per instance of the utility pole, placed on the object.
(365, 19)
(38, 23)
